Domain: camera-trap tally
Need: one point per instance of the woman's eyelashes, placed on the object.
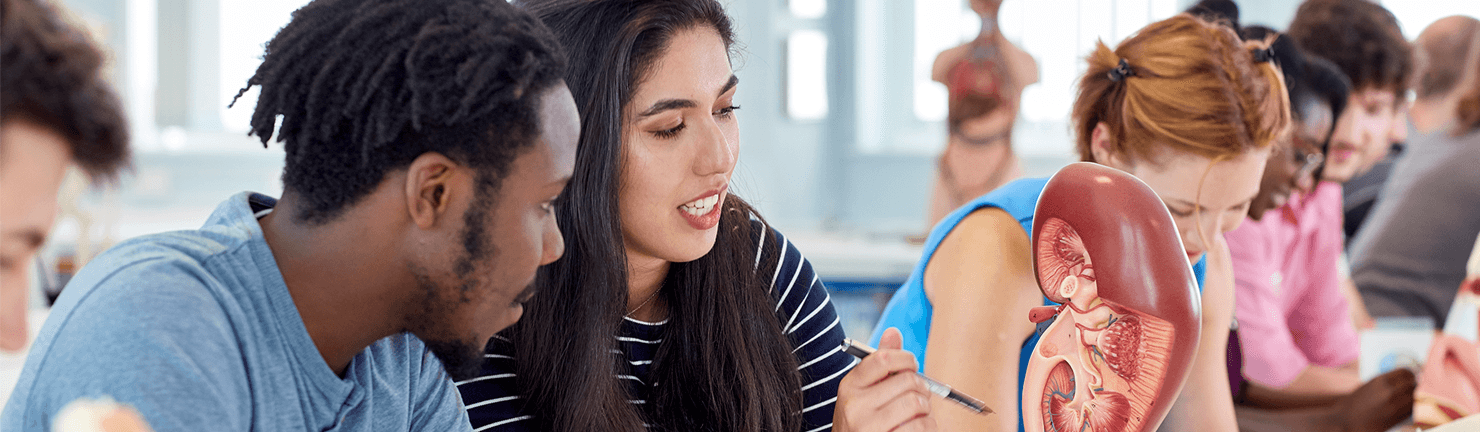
(725, 113)
(670, 132)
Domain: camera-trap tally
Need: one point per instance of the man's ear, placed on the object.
(429, 186)
(1104, 151)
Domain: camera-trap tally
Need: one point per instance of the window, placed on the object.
(806, 75)
(1415, 15)
(245, 29)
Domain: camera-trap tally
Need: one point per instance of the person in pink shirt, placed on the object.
(1294, 325)
(1294, 322)
(1299, 344)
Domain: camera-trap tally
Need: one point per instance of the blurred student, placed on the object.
(1363, 40)
(985, 79)
(425, 140)
(676, 306)
(1410, 260)
(58, 111)
(1293, 324)
(964, 309)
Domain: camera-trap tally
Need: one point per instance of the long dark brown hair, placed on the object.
(724, 363)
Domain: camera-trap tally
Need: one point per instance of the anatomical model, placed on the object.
(1121, 342)
(1449, 387)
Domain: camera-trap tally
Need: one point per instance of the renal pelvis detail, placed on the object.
(1121, 342)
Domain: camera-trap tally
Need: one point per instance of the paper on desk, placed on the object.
(1396, 342)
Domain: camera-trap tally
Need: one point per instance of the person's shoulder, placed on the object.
(985, 224)
(1326, 206)
(158, 287)
(404, 361)
(172, 267)
(403, 355)
(1251, 236)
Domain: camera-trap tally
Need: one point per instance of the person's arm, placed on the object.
(143, 338)
(1375, 406)
(1320, 381)
(815, 331)
(1360, 317)
(1273, 358)
(1206, 402)
(981, 283)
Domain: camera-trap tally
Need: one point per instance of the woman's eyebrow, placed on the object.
(672, 104)
(667, 104)
(734, 80)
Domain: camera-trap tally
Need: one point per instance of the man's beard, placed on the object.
(460, 358)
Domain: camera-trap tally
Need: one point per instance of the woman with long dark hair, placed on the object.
(675, 306)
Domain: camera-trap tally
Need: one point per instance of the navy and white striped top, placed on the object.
(495, 404)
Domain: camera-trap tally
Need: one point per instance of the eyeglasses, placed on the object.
(1309, 162)
(1312, 163)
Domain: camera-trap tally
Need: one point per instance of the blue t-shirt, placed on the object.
(196, 330)
(909, 310)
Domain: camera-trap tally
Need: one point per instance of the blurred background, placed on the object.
(840, 130)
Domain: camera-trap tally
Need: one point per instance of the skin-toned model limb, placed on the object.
(1449, 387)
(1122, 342)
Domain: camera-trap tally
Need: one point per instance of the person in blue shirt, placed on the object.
(425, 142)
(1186, 107)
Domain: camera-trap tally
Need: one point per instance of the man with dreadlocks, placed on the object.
(425, 141)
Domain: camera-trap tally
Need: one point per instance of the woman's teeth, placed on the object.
(701, 206)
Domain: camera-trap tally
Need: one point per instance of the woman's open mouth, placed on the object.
(702, 213)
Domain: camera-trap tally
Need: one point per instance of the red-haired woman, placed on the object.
(1185, 106)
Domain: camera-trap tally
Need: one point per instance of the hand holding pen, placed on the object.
(936, 387)
(883, 393)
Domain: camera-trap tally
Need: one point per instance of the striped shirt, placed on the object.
(494, 404)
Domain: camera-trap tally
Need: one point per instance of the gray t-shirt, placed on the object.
(1409, 259)
(196, 330)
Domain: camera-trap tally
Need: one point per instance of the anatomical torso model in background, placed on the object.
(1121, 343)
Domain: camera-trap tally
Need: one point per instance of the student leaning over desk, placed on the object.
(425, 140)
(1148, 108)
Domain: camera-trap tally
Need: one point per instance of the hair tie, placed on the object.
(1262, 55)
(1121, 72)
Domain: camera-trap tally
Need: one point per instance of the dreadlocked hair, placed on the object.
(363, 87)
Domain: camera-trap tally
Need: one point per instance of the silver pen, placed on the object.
(940, 389)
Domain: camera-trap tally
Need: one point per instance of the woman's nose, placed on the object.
(716, 152)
